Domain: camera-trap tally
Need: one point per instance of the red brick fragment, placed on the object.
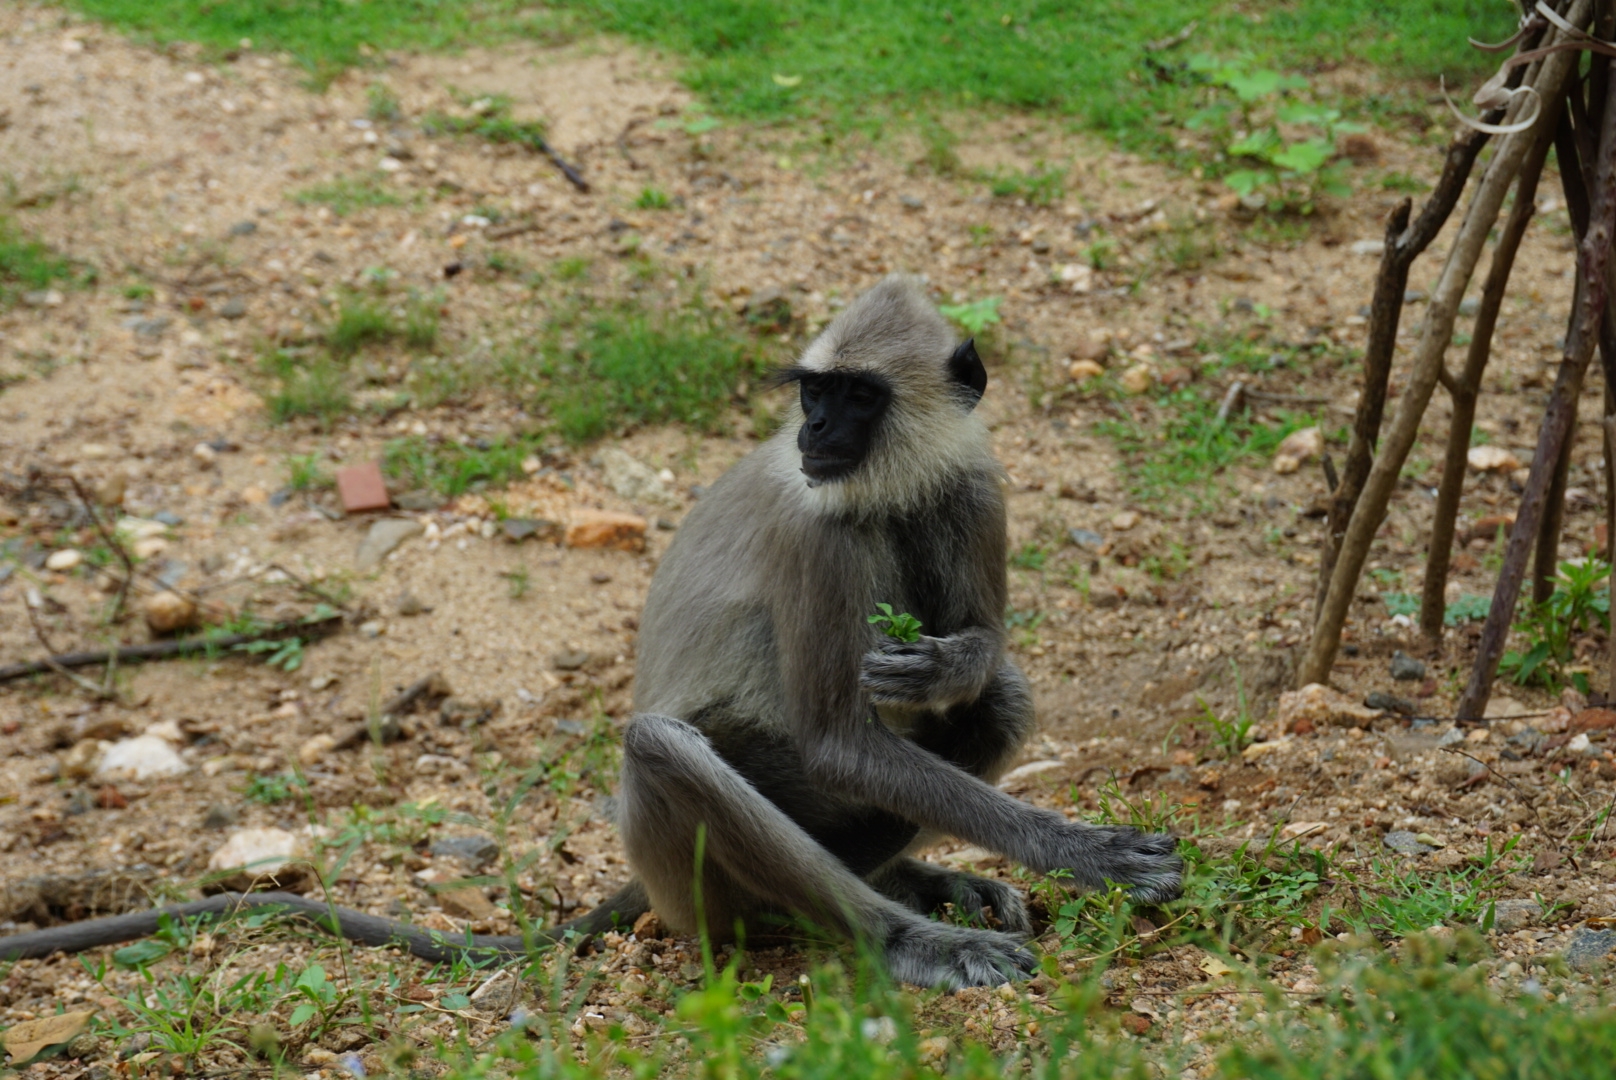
(362, 488)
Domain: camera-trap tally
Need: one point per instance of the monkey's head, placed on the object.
(886, 393)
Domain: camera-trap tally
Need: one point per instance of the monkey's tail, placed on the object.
(627, 905)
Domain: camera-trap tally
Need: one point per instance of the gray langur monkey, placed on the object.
(813, 753)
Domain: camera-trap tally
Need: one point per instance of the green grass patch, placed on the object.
(606, 367)
(837, 59)
(327, 36)
(309, 384)
(29, 266)
(1177, 451)
(454, 468)
(347, 194)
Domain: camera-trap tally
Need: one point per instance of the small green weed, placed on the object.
(518, 582)
(1552, 627)
(1177, 455)
(491, 119)
(382, 105)
(1029, 556)
(1403, 183)
(606, 367)
(273, 788)
(454, 468)
(652, 199)
(286, 654)
(347, 194)
(28, 266)
(1251, 131)
(975, 316)
(308, 384)
(306, 472)
(572, 268)
(358, 323)
(903, 626)
(1230, 735)
(1038, 186)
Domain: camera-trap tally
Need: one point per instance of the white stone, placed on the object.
(1298, 447)
(66, 559)
(258, 851)
(632, 479)
(1137, 379)
(145, 757)
(1492, 459)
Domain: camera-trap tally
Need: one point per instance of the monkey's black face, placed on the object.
(841, 414)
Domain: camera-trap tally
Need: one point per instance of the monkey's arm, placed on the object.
(626, 906)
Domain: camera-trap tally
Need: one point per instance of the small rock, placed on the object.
(912, 202)
(1085, 538)
(648, 926)
(1078, 277)
(1469, 306)
(1298, 447)
(206, 456)
(1126, 520)
(1510, 915)
(145, 757)
(1590, 950)
(632, 479)
(218, 817)
(383, 538)
(1368, 247)
(361, 488)
(84, 1045)
(148, 547)
(467, 713)
(44, 298)
(409, 604)
(1083, 370)
(82, 758)
(1322, 706)
(316, 748)
(466, 902)
(1405, 668)
(497, 995)
(1381, 701)
(168, 611)
(152, 328)
(519, 529)
(64, 560)
(261, 857)
(603, 529)
(476, 850)
(1137, 379)
(1492, 459)
(1401, 840)
(569, 661)
(373, 629)
(233, 308)
(244, 228)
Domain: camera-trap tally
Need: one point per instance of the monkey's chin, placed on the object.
(820, 473)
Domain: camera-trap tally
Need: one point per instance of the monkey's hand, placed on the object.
(932, 671)
(1096, 854)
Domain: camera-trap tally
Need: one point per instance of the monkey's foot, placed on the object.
(972, 894)
(936, 954)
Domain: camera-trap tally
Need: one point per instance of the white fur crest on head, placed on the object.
(894, 331)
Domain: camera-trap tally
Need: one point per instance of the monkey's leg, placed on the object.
(925, 887)
(757, 859)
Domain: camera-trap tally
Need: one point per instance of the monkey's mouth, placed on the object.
(820, 468)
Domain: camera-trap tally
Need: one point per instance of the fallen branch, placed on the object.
(163, 650)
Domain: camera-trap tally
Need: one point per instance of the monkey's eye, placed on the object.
(862, 394)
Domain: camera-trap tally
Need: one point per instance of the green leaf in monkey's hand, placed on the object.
(902, 625)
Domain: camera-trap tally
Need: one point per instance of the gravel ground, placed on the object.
(157, 169)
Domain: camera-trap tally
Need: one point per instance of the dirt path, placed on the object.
(180, 184)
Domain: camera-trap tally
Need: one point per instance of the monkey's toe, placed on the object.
(938, 955)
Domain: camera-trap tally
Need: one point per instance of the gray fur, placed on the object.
(759, 679)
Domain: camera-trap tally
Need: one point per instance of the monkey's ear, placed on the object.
(967, 369)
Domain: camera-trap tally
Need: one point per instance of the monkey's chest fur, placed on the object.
(744, 579)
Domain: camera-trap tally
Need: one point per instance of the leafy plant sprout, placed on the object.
(902, 625)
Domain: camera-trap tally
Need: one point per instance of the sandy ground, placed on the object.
(156, 169)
